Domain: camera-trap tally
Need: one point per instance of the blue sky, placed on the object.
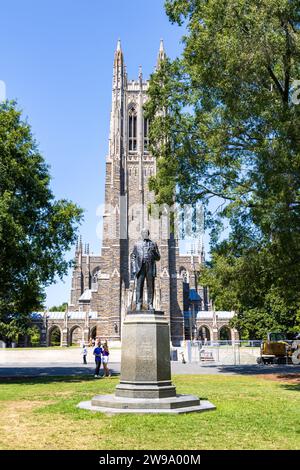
(56, 59)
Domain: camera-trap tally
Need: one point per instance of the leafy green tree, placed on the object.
(55, 337)
(35, 336)
(59, 308)
(35, 229)
(224, 128)
(244, 284)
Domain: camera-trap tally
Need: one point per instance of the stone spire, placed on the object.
(118, 90)
(161, 53)
(119, 67)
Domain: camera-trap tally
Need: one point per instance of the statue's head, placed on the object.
(145, 234)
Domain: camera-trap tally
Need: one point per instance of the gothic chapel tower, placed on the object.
(102, 283)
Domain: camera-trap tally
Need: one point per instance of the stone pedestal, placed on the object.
(145, 384)
(145, 362)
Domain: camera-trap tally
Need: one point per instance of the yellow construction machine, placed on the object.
(279, 350)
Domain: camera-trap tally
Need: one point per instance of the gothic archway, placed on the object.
(54, 336)
(76, 336)
(93, 332)
(225, 333)
(204, 333)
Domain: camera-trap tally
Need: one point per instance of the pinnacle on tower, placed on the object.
(161, 53)
(119, 67)
(119, 61)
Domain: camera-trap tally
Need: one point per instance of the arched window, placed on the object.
(132, 130)
(95, 277)
(146, 135)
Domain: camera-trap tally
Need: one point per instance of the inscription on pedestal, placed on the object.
(146, 352)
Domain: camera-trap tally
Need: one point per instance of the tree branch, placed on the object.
(276, 81)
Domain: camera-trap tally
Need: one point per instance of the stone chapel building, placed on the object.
(102, 290)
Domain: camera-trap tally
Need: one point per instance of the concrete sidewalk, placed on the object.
(75, 369)
(71, 356)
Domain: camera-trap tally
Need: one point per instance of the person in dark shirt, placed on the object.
(97, 353)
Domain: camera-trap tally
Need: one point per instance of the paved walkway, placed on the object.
(51, 370)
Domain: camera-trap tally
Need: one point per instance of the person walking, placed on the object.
(105, 356)
(97, 353)
(84, 353)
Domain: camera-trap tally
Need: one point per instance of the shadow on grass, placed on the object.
(259, 369)
(47, 376)
(292, 386)
(44, 380)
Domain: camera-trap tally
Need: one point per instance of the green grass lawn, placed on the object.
(252, 413)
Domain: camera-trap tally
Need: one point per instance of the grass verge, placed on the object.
(252, 413)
